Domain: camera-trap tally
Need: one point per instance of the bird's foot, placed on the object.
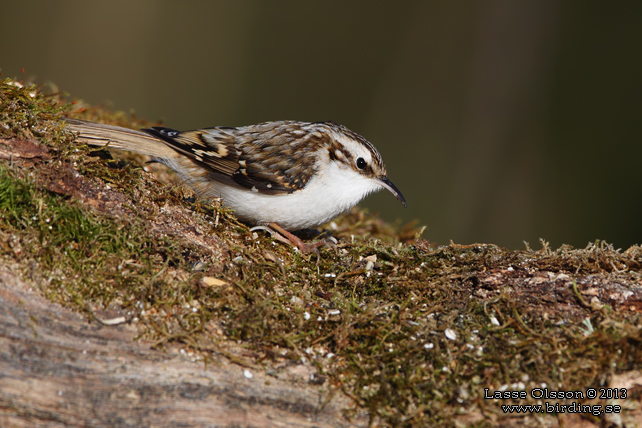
(289, 238)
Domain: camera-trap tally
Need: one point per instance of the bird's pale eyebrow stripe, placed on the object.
(374, 153)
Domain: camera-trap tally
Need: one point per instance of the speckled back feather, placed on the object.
(271, 157)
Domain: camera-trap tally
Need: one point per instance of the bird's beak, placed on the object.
(393, 189)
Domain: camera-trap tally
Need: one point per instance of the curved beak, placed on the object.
(393, 189)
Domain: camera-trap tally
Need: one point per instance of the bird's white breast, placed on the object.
(330, 192)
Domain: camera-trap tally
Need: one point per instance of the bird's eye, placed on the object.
(361, 163)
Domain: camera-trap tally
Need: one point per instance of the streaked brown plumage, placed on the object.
(295, 174)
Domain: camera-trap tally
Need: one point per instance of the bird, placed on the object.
(279, 176)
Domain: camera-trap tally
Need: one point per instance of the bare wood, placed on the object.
(57, 370)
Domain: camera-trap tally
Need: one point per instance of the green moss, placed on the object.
(80, 254)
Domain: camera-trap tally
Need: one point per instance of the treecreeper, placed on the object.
(280, 176)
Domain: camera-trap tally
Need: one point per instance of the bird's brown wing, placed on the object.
(271, 158)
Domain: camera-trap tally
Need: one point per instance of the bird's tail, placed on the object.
(116, 137)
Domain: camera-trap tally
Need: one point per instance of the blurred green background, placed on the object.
(501, 121)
